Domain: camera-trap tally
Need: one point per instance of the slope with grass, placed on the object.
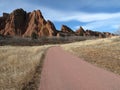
(104, 53)
(18, 65)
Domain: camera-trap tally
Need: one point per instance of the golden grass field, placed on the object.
(18, 64)
(104, 53)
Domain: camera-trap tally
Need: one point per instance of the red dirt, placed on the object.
(64, 71)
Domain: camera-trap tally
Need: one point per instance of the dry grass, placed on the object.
(18, 64)
(104, 53)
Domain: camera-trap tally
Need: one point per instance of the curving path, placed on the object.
(64, 71)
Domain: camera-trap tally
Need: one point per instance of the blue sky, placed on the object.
(99, 15)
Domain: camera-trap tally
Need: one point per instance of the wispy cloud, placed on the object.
(105, 25)
(95, 21)
(57, 15)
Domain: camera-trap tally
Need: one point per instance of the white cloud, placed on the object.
(56, 15)
(95, 21)
(104, 25)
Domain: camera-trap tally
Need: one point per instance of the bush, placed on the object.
(34, 36)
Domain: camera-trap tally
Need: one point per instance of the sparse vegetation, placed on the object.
(27, 41)
(104, 53)
(18, 65)
(34, 36)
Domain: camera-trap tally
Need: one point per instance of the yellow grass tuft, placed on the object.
(18, 64)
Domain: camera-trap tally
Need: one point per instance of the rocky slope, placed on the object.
(21, 23)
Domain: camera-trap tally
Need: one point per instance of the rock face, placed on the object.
(66, 31)
(50, 28)
(98, 34)
(35, 23)
(15, 23)
(21, 23)
(80, 31)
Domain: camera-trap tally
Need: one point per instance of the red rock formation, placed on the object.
(35, 22)
(107, 34)
(80, 31)
(51, 28)
(98, 34)
(92, 33)
(15, 23)
(66, 29)
(21, 23)
(48, 29)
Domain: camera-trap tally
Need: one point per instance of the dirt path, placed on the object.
(64, 71)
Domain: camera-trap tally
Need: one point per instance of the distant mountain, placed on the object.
(21, 23)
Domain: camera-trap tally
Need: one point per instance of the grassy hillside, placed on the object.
(18, 65)
(104, 53)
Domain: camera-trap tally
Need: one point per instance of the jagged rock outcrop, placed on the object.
(80, 31)
(51, 28)
(66, 31)
(107, 34)
(15, 23)
(21, 23)
(48, 29)
(98, 34)
(35, 22)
